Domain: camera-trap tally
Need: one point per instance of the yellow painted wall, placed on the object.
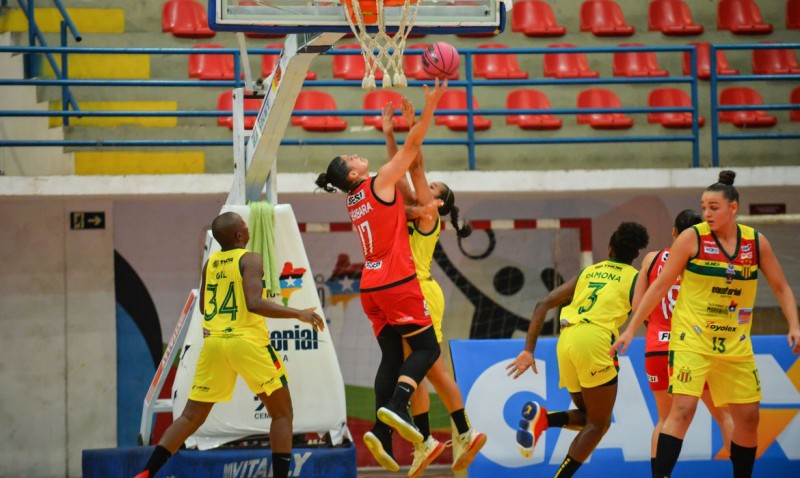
(111, 121)
(139, 162)
(86, 20)
(111, 66)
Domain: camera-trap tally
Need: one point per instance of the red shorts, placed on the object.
(402, 304)
(657, 369)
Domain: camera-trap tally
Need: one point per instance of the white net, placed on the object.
(380, 49)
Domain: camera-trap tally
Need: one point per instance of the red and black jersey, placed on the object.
(659, 323)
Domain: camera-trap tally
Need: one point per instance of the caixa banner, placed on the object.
(494, 401)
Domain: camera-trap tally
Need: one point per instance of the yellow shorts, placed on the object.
(729, 381)
(223, 358)
(583, 360)
(434, 300)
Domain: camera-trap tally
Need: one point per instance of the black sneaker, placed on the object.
(400, 420)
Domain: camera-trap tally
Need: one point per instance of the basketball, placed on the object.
(440, 60)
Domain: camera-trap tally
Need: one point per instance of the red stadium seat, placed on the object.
(535, 18)
(317, 100)
(497, 66)
(668, 97)
(412, 64)
(567, 65)
(637, 64)
(457, 100)
(351, 67)
(747, 118)
(210, 67)
(604, 18)
(742, 17)
(531, 100)
(185, 19)
(775, 62)
(704, 62)
(225, 103)
(601, 98)
(270, 61)
(376, 100)
(793, 15)
(672, 17)
(794, 115)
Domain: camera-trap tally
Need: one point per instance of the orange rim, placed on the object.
(369, 9)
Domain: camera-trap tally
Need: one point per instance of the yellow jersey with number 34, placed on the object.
(225, 311)
(714, 310)
(602, 296)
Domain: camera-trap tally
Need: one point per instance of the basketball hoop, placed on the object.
(381, 49)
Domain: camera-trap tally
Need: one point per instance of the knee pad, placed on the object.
(425, 351)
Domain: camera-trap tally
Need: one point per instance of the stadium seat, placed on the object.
(794, 115)
(185, 19)
(704, 62)
(317, 100)
(567, 65)
(412, 64)
(793, 15)
(742, 17)
(270, 61)
(535, 18)
(225, 103)
(531, 100)
(672, 17)
(775, 62)
(351, 67)
(604, 18)
(601, 98)
(210, 67)
(457, 100)
(636, 64)
(747, 118)
(497, 66)
(668, 97)
(376, 100)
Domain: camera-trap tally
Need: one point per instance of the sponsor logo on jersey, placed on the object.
(744, 316)
(403, 320)
(746, 271)
(652, 378)
(602, 370)
(732, 306)
(726, 291)
(730, 273)
(711, 250)
(353, 199)
(717, 309)
(663, 336)
(746, 248)
(747, 255)
(373, 265)
(684, 375)
(719, 327)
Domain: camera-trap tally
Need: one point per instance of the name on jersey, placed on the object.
(360, 211)
(353, 199)
(720, 328)
(604, 275)
(297, 339)
(726, 291)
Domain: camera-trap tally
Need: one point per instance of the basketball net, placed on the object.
(381, 50)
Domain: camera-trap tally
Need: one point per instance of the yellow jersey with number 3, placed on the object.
(602, 296)
(714, 311)
(225, 310)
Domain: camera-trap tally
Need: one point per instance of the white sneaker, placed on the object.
(465, 447)
(424, 454)
(376, 448)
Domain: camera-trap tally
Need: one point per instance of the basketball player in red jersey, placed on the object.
(390, 292)
(657, 337)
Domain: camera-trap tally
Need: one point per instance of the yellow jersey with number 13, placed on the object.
(714, 311)
(225, 310)
(602, 296)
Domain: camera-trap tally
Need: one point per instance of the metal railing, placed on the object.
(470, 141)
(716, 136)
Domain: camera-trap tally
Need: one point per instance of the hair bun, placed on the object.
(726, 177)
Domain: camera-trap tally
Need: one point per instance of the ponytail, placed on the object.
(449, 207)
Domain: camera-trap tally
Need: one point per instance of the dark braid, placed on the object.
(724, 185)
(449, 207)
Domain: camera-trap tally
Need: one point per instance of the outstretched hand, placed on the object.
(426, 211)
(432, 96)
(520, 364)
(387, 118)
(408, 112)
(794, 340)
(308, 316)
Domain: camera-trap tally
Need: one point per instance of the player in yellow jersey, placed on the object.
(425, 205)
(236, 342)
(718, 261)
(600, 297)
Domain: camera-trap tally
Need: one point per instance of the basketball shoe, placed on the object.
(465, 447)
(400, 420)
(144, 474)
(531, 426)
(375, 447)
(424, 454)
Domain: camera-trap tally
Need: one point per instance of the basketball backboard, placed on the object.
(301, 16)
